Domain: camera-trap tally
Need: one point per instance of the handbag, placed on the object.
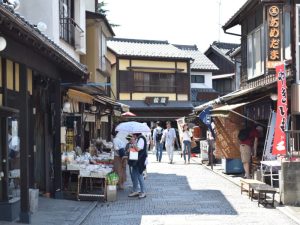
(133, 154)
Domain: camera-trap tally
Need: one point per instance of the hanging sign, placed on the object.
(279, 144)
(274, 35)
(156, 100)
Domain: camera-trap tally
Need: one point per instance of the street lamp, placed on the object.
(2, 43)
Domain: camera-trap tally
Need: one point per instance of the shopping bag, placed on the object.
(133, 154)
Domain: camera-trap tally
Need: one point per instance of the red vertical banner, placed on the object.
(279, 144)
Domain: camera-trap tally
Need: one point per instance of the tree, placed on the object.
(101, 10)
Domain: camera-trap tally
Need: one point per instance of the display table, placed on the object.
(266, 168)
(92, 194)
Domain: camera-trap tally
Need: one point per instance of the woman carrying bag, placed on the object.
(186, 139)
(136, 162)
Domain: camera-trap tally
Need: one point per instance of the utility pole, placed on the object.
(219, 23)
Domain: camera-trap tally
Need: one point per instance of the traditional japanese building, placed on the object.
(32, 68)
(152, 77)
(269, 88)
(201, 75)
(223, 79)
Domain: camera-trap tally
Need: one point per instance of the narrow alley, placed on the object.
(185, 195)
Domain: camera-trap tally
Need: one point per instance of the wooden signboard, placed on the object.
(226, 130)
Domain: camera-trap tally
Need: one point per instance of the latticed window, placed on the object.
(66, 21)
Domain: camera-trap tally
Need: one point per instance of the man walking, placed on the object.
(169, 137)
(157, 135)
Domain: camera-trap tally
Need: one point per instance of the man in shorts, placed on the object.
(247, 146)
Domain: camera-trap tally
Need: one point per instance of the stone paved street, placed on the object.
(179, 194)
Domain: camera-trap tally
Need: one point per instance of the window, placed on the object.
(198, 79)
(66, 21)
(154, 82)
(255, 56)
(103, 52)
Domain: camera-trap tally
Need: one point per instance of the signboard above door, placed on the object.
(156, 100)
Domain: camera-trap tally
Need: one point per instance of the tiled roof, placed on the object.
(224, 49)
(36, 34)
(145, 48)
(200, 60)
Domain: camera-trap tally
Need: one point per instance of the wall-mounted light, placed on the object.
(67, 107)
(274, 96)
(41, 26)
(2, 43)
(93, 109)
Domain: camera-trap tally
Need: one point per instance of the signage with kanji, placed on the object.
(274, 35)
(156, 100)
(279, 144)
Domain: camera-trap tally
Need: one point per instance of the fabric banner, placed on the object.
(205, 117)
(279, 145)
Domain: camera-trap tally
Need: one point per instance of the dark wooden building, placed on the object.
(224, 78)
(32, 68)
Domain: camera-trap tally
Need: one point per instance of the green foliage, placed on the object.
(101, 10)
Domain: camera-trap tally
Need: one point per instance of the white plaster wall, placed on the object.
(39, 11)
(207, 80)
(48, 12)
(80, 19)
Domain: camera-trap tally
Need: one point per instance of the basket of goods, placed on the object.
(112, 178)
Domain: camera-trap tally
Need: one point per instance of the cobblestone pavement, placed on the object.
(179, 194)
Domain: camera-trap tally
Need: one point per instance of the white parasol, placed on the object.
(133, 127)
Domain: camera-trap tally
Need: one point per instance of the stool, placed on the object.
(263, 190)
(248, 183)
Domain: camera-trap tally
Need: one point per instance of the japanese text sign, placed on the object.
(156, 100)
(279, 144)
(274, 35)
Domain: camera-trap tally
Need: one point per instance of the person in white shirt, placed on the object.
(186, 139)
(169, 137)
(120, 162)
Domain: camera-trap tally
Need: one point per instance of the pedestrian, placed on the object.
(248, 144)
(120, 161)
(157, 135)
(147, 135)
(138, 166)
(186, 139)
(169, 137)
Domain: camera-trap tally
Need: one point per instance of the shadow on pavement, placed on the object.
(167, 194)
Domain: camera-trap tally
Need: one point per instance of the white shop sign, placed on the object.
(87, 117)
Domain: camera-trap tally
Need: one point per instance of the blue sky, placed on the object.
(180, 22)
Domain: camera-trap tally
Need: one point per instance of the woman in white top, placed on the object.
(186, 138)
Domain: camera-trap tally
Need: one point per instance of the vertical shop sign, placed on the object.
(279, 144)
(274, 35)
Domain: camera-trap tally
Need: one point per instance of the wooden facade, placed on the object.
(32, 69)
(137, 79)
(216, 53)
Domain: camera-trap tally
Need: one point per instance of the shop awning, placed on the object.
(80, 96)
(86, 97)
(223, 111)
